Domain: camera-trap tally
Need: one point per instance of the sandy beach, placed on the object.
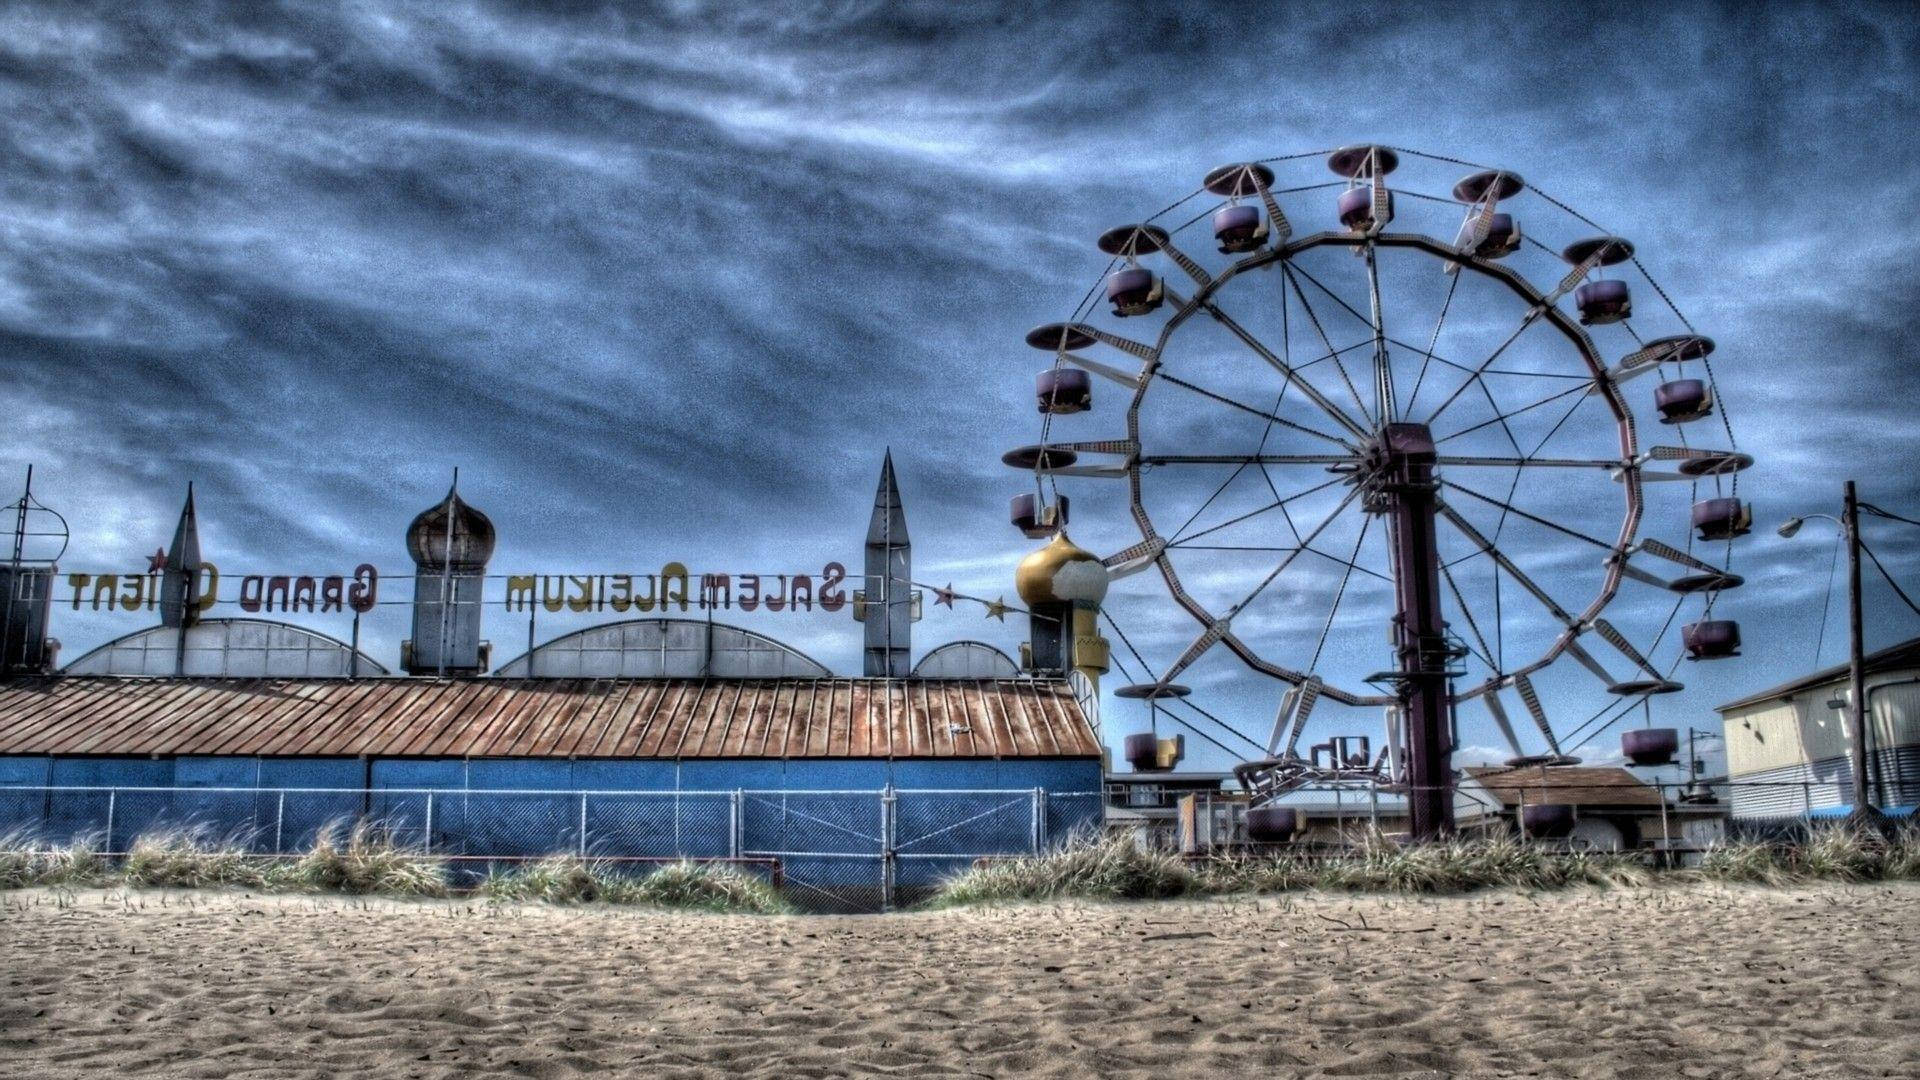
(1701, 982)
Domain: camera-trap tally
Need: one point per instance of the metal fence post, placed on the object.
(736, 824)
(280, 824)
(887, 821)
(107, 840)
(1666, 830)
(1039, 837)
(428, 836)
(583, 824)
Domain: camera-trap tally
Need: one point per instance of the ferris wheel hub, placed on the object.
(1382, 470)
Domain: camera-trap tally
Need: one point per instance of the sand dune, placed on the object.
(1658, 984)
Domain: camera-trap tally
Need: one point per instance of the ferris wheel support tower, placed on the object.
(1407, 496)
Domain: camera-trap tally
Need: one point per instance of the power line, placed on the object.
(1902, 593)
(1877, 512)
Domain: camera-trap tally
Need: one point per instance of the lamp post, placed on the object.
(1864, 812)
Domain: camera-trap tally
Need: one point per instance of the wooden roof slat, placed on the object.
(497, 717)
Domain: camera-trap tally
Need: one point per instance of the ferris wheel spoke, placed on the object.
(1382, 370)
(1433, 339)
(1485, 653)
(1250, 459)
(1532, 315)
(1333, 610)
(1502, 418)
(1244, 407)
(1509, 508)
(1287, 272)
(1501, 559)
(1306, 542)
(1191, 518)
(1291, 374)
(1505, 428)
(1277, 504)
(1513, 462)
(1558, 424)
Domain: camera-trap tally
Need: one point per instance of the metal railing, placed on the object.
(841, 850)
(1662, 815)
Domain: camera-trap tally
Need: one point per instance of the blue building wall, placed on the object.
(804, 811)
(529, 774)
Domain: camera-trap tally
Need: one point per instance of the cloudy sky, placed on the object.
(664, 283)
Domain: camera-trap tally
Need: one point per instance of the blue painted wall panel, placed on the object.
(227, 815)
(316, 772)
(623, 775)
(939, 834)
(24, 811)
(112, 772)
(946, 774)
(406, 814)
(514, 824)
(73, 814)
(19, 770)
(750, 773)
(836, 775)
(307, 811)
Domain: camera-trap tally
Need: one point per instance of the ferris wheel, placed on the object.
(1332, 433)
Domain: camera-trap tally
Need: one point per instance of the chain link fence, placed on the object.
(829, 851)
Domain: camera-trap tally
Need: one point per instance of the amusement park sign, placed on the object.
(674, 587)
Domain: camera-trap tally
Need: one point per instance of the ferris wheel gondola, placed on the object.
(1445, 481)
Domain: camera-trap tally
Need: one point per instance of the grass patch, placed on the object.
(700, 887)
(365, 859)
(1115, 868)
(190, 859)
(25, 865)
(1837, 853)
(686, 885)
(1106, 868)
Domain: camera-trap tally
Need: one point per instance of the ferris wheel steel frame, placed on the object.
(1392, 460)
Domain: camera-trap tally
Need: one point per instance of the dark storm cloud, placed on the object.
(668, 278)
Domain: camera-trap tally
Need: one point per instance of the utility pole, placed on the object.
(1863, 808)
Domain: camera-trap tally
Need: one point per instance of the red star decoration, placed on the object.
(157, 561)
(945, 596)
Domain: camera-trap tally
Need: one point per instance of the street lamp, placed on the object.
(1864, 812)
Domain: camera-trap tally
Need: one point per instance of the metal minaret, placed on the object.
(889, 609)
(180, 584)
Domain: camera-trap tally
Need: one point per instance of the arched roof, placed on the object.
(236, 648)
(663, 648)
(966, 660)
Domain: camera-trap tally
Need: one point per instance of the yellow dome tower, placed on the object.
(1062, 585)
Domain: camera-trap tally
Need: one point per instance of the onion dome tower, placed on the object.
(1062, 585)
(451, 543)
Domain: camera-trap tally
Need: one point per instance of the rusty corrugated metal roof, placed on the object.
(590, 718)
(1565, 786)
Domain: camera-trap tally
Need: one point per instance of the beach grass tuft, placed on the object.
(701, 887)
(686, 885)
(1117, 868)
(25, 864)
(360, 860)
(189, 858)
(1106, 868)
